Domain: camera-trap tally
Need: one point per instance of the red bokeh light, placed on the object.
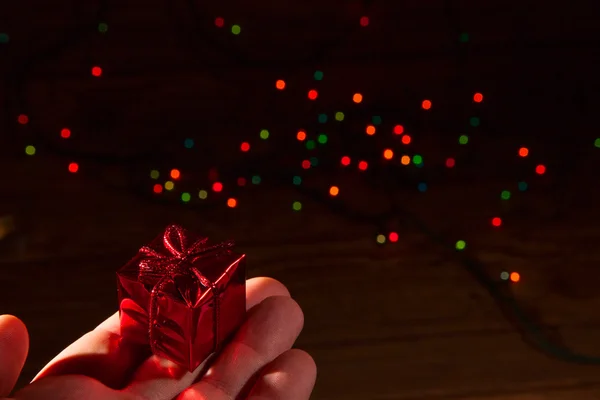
(73, 167)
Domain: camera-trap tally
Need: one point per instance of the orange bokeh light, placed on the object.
(515, 277)
(370, 130)
(301, 135)
(523, 151)
(426, 104)
(280, 84)
(406, 139)
(477, 97)
(334, 190)
(357, 98)
(231, 203)
(388, 154)
(175, 174)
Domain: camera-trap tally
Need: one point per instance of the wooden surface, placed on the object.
(404, 321)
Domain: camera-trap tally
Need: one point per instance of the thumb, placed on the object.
(14, 345)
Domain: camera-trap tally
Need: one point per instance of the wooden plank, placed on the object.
(445, 367)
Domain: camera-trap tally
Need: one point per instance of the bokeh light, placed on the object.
(388, 154)
(345, 161)
(73, 167)
(30, 150)
(96, 71)
(370, 130)
(477, 97)
(175, 174)
(496, 221)
(217, 187)
(313, 94)
(460, 245)
(398, 129)
(334, 191)
(231, 203)
(280, 84)
(540, 169)
(523, 152)
(426, 104)
(357, 98)
(363, 165)
(65, 133)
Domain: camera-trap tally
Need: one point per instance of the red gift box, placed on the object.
(182, 296)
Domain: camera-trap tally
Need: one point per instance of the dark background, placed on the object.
(406, 320)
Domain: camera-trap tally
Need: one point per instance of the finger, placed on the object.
(158, 378)
(270, 329)
(101, 354)
(14, 345)
(290, 376)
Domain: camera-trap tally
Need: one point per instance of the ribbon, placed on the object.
(161, 267)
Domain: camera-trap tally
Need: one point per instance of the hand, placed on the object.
(257, 364)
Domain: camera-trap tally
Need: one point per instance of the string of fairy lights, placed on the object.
(162, 182)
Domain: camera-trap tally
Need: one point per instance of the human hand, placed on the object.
(258, 363)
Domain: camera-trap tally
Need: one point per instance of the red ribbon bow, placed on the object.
(160, 268)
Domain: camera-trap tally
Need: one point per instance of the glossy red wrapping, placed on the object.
(182, 296)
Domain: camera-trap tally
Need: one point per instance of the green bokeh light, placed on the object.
(523, 186)
(417, 159)
(154, 174)
(264, 134)
(318, 75)
(296, 180)
(505, 195)
(322, 138)
(236, 29)
(597, 143)
(339, 116)
(310, 144)
(102, 27)
(322, 118)
(314, 161)
(30, 150)
(463, 139)
(474, 121)
(460, 245)
(188, 143)
(185, 197)
(297, 206)
(256, 180)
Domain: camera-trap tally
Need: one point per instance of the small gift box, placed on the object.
(182, 296)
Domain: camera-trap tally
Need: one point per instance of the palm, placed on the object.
(101, 366)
